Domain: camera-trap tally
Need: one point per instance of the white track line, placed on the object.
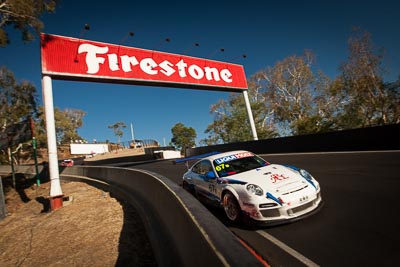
(287, 249)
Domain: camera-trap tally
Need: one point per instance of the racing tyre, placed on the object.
(231, 207)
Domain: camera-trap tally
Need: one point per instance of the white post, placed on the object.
(250, 114)
(133, 138)
(47, 91)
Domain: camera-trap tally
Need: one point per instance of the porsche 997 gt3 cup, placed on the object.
(247, 186)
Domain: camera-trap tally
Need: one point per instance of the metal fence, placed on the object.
(138, 143)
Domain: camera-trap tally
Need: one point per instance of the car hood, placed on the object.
(273, 178)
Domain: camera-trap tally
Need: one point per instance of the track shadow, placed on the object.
(45, 202)
(21, 182)
(134, 246)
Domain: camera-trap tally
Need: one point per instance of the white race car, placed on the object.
(247, 186)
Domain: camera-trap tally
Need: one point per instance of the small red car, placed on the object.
(67, 163)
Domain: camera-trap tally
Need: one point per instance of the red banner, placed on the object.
(76, 59)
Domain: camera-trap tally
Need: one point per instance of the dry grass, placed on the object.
(91, 229)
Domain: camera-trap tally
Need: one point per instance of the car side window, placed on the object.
(205, 167)
(196, 168)
(202, 167)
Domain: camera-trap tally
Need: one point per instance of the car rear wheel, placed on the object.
(231, 207)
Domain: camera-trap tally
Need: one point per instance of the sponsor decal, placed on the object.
(278, 177)
(212, 188)
(68, 57)
(230, 181)
(233, 157)
(221, 167)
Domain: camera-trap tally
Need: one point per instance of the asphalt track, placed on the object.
(357, 226)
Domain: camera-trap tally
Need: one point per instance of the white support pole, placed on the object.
(250, 114)
(47, 91)
(133, 137)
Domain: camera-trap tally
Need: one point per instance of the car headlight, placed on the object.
(254, 189)
(305, 174)
(309, 178)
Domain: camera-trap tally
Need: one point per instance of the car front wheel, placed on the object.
(231, 207)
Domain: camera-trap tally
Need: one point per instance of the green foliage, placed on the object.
(231, 122)
(392, 105)
(183, 137)
(17, 100)
(294, 94)
(117, 128)
(291, 98)
(366, 100)
(312, 124)
(23, 15)
(361, 97)
(286, 98)
(67, 123)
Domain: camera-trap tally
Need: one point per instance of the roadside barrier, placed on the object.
(384, 137)
(181, 230)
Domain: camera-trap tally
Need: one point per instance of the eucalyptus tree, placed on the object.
(23, 15)
(118, 129)
(17, 99)
(366, 100)
(231, 122)
(295, 97)
(67, 123)
(393, 103)
(183, 137)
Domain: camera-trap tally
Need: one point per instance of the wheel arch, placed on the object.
(232, 191)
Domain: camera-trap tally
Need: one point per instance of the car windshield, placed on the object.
(230, 165)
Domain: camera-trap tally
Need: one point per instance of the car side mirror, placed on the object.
(210, 175)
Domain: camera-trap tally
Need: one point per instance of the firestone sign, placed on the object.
(67, 58)
(77, 59)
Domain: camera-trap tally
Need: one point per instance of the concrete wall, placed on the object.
(182, 231)
(366, 139)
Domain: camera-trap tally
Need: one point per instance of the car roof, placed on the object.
(211, 156)
(228, 153)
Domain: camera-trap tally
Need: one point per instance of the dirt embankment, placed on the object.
(92, 229)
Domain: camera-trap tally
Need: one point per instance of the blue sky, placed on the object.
(266, 31)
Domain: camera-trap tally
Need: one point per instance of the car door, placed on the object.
(204, 182)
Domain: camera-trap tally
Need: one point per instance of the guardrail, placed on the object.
(181, 230)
